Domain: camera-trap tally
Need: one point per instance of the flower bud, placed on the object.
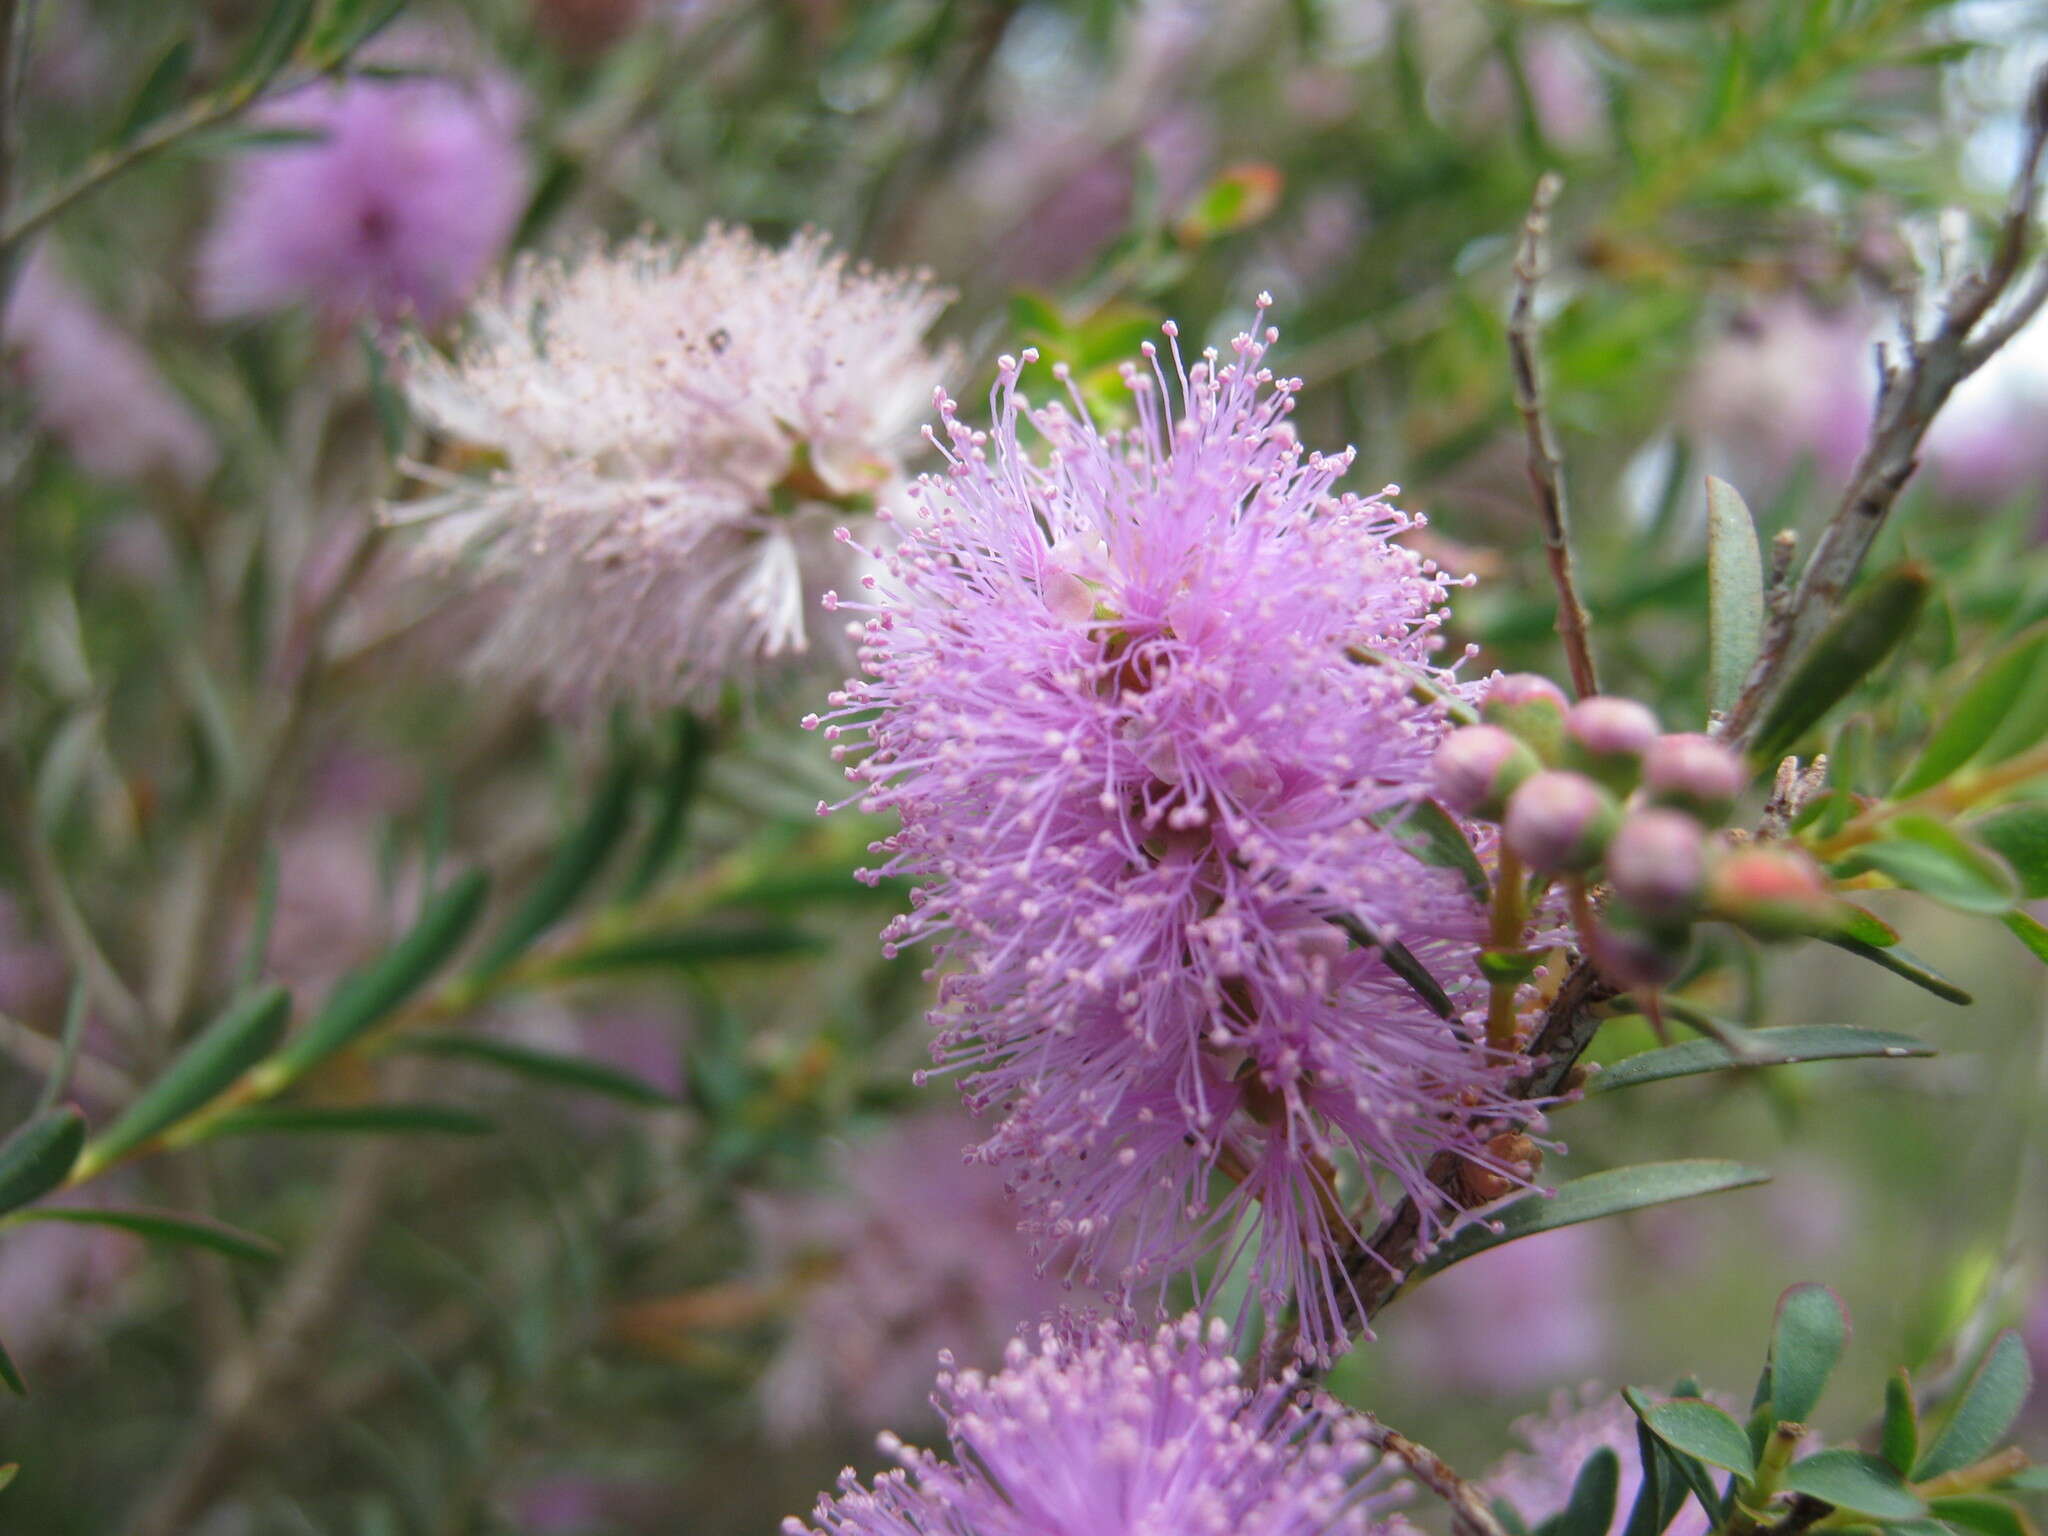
(1657, 864)
(1771, 891)
(1560, 823)
(1476, 768)
(1531, 709)
(1635, 952)
(1606, 739)
(1693, 773)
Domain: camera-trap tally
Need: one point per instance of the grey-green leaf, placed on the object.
(1696, 1428)
(1857, 1481)
(164, 1227)
(1901, 1438)
(1607, 1193)
(581, 854)
(1807, 1340)
(2010, 687)
(1429, 833)
(2018, 833)
(1783, 1046)
(1901, 961)
(1590, 1509)
(1872, 623)
(236, 1041)
(1735, 594)
(555, 1067)
(1923, 855)
(352, 1120)
(38, 1156)
(1984, 1411)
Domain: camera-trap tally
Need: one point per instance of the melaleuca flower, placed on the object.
(1099, 1433)
(676, 434)
(1113, 692)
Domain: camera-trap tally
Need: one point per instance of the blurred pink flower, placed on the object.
(917, 1252)
(1537, 1482)
(1523, 1316)
(53, 1275)
(94, 388)
(398, 209)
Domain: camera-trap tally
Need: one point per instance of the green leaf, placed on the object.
(1429, 833)
(2030, 932)
(1806, 1344)
(686, 948)
(1774, 1047)
(1901, 961)
(349, 24)
(1983, 1513)
(1590, 1509)
(2031, 1479)
(2018, 833)
(271, 48)
(1857, 1481)
(227, 1048)
(1607, 1193)
(1877, 616)
(10, 1375)
(563, 1071)
(1696, 1428)
(367, 996)
(1865, 926)
(351, 1120)
(692, 744)
(1735, 595)
(1661, 1494)
(1901, 1439)
(163, 1227)
(1922, 855)
(579, 858)
(158, 92)
(38, 1156)
(1399, 959)
(1984, 1411)
(8, 1473)
(2012, 684)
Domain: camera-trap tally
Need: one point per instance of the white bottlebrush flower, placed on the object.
(661, 442)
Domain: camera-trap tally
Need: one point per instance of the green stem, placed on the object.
(1504, 933)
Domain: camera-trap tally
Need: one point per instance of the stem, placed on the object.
(1504, 933)
(1546, 469)
(1470, 1513)
(1950, 798)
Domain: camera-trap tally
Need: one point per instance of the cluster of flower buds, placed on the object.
(1595, 791)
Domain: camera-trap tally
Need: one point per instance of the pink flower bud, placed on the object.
(1606, 738)
(1559, 823)
(1693, 773)
(1657, 863)
(1476, 768)
(1771, 891)
(1530, 708)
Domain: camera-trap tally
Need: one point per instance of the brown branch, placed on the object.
(1546, 469)
(1470, 1513)
(1913, 385)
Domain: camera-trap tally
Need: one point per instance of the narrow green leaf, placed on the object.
(271, 48)
(1923, 855)
(227, 1048)
(1735, 595)
(8, 1473)
(1989, 700)
(1661, 1493)
(1857, 1481)
(1607, 1193)
(689, 947)
(1774, 1048)
(1983, 1513)
(1901, 1439)
(1901, 961)
(563, 1071)
(347, 26)
(10, 1375)
(671, 824)
(2031, 1480)
(1984, 1411)
(158, 92)
(1429, 833)
(1807, 1340)
(1864, 925)
(1877, 616)
(351, 1120)
(163, 1227)
(2030, 932)
(579, 857)
(2017, 833)
(366, 997)
(38, 1156)
(1401, 960)
(1590, 1509)
(1694, 1427)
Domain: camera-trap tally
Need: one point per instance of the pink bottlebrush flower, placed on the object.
(680, 430)
(1109, 696)
(886, 1283)
(396, 210)
(1099, 1431)
(95, 389)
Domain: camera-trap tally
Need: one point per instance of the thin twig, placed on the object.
(1546, 469)
(1913, 385)
(1470, 1513)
